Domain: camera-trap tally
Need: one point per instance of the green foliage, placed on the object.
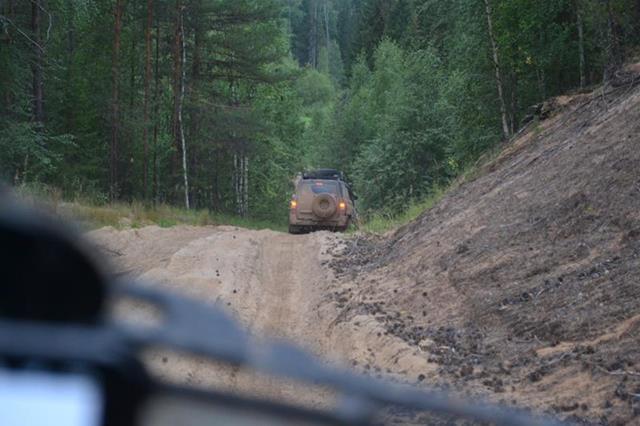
(421, 102)
(136, 215)
(277, 155)
(393, 126)
(28, 152)
(88, 213)
(380, 222)
(400, 94)
(314, 88)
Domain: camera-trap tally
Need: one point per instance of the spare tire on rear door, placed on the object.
(324, 206)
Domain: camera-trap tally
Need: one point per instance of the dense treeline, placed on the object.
(433, 84)
(167, 101)
(218, 103)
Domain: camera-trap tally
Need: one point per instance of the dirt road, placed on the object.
(275, 284)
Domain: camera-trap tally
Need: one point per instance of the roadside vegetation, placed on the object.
(381, 222)
(88, 213)
(214, 106)
(137, 215)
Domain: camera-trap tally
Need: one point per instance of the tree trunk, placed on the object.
(326, 25)
(197, 37)
(613, 51)
(6, 9)
(177, 73)
(8, 98)
(238, 149)
(514, 103)
(542, 84)
(69, 119)
(240, 186)
(637, 19)
(37, 67)
(133, 59)
(236, 182)
(245, 185)
(180, 107)
(217, 198)
(156, 106)
(313, 33)
(241, 181)
(126, 168)
(496, 63)
(115, 108)
(580, 25)
(147, 83)
(197, 155)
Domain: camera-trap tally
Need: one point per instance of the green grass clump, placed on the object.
(379, 223)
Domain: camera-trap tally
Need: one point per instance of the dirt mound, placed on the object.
(524, 282)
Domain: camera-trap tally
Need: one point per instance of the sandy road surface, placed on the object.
(275, 284)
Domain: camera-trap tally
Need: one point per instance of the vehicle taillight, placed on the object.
(294, 204)
(342, 205)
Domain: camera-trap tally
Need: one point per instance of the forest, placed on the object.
(217, 104)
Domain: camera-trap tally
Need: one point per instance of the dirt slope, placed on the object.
(525, 282)
(276, 284)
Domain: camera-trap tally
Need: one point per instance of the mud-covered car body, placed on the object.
(322, 200)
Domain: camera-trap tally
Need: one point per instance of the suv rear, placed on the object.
(322, 200)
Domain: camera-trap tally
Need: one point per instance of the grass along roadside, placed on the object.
(380, 223)
(137, 215)
(88, 214)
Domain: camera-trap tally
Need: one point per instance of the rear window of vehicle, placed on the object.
(320, 187)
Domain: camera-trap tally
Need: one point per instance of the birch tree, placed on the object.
(498, 75)
(183, 60)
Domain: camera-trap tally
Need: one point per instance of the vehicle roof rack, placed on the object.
(329, 174)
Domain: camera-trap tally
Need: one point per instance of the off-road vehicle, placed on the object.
(322, 200)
